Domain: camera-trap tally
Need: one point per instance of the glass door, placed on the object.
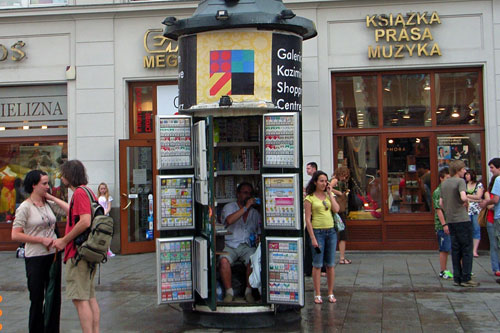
(409, 178)
(137, 191)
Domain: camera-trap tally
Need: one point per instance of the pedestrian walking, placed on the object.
(35, 225)
(80, 286)
(319, 205)
(454, 203)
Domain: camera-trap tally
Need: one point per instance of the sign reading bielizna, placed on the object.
(400, 36)
(248, 66)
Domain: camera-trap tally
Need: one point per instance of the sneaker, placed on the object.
(228, 298)
(497, 273)
(110, 254)
(450, 274)
(249, 298)
(445, 275)
(457, 284)
(470, 284)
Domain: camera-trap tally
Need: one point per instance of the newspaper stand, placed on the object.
(240, 103)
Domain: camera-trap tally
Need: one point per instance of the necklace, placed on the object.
(44, 214)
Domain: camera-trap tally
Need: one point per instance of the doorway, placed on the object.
(137, 188)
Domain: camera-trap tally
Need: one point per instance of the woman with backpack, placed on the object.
(35, 225)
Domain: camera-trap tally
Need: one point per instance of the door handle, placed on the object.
(127, 206)
(129, 201)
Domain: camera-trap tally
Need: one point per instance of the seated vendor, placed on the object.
(241, 220)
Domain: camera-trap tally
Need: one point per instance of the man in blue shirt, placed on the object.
(494, 165)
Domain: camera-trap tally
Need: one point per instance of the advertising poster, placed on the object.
(281, 205)
(174, 266)
(285, 271)
(254, 66)
(174, 146)
(175, 202)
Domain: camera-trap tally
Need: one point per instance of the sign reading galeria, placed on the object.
(400, 36)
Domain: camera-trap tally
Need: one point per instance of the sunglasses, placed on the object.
(325, 204)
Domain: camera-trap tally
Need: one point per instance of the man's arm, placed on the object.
(463, 196)
(79, 228)
(230, 219)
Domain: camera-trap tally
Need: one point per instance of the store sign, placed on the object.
(287, 72)
(33, 108)
(14, 51)
(400, 36)
(162, 52)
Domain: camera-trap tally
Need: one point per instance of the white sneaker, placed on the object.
(110, 254)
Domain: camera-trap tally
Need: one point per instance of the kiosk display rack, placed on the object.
(281, 201)
(281, 132)
(175, 205)
(174, 146)
(285, 273)
(174, 269)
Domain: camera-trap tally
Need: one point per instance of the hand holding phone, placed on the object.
(318, 250)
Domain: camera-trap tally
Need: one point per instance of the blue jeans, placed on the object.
(327, 241)
(476, 231)
(461, 250)
(495, 264)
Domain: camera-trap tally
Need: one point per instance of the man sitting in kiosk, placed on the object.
(243, 223)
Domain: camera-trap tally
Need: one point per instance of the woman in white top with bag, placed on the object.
(35, 224)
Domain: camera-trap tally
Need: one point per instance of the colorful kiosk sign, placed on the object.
(260, 67)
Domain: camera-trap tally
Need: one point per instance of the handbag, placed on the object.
(338, 223)
(482, 218)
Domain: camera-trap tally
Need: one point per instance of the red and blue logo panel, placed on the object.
(232, 72)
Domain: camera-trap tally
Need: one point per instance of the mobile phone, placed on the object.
(318, 250)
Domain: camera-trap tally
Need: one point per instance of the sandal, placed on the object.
(332, 299)
(318, 300)
(345, 261)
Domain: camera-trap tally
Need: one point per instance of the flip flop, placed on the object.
(318, 300)
(332, 299)
(345, 261)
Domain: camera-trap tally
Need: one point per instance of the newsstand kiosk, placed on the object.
(240, 103)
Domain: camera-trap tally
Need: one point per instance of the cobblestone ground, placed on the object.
(378, 292)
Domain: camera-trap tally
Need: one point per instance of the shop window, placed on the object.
(356, 98)
(143, 109)
(406, 100)
(408, 175)
(457, 96)
(148, 99)
(360, 155)
(465, 147)
(16, 160)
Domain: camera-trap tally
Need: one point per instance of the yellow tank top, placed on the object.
(321, 218)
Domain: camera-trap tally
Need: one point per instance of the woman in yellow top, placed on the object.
(320, 205)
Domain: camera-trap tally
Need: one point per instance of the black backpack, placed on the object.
(92, 245)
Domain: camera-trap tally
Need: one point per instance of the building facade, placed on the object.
(392, 89)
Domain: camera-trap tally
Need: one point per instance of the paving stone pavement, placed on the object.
(378, 292)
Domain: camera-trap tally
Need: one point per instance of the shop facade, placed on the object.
(393, 90)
